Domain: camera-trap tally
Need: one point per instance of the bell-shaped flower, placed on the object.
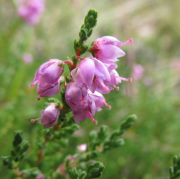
(31, 10)
(106, 49)
(116, 79)
(49, 116)
(79, 101)
(99, 100)
(81, 114)
(93, 73)
(50, 90)
(75, 96)
(47, 75)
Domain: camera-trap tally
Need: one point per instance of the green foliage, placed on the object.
(31, 173)
(102, 141)
(17, 152)
(154, 27)
(174, 171)
(86, 30)
(93, 171)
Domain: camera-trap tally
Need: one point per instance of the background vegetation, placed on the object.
(155, 28)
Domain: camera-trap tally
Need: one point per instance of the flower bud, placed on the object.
(49, 116)
(48, 78)
(82, 147)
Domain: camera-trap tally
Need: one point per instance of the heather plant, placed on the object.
(152, 60)
(81, 96)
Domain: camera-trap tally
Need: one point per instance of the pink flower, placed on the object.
(82, 147)
(27, 58)
(49, 90)
(78, 100)
(99, 100)
(106, 49)
(138, 72)
(49, 116)
(115, 79)
(31, 10)
(41, 176)
(93, 73)
(48, 78)
(83, 103)
(81, 114)
(76, 96)
(61, 170)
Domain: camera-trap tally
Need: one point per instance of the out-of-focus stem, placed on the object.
(9, 34)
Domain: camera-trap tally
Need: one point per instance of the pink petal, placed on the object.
(86, 70)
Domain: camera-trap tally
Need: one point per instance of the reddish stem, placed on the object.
(68, 62)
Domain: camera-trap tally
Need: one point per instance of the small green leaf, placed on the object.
(73, 174)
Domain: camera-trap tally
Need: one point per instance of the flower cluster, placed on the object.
(31, 10)
(89, 79)
(93, 77)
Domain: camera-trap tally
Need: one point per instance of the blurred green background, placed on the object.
(155, 28)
